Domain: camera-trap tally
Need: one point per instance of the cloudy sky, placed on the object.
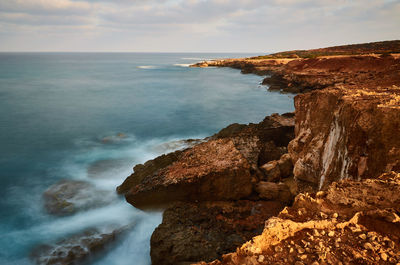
(193, 25)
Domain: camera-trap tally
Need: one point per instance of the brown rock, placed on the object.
(214, 170)
(204, 231)
(274, 191)
(223, 168)
(366, 213)
(346, 134)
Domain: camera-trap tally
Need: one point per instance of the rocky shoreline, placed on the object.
(317, 186)
(329, 156)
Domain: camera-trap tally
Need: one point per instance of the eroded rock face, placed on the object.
(352, 222)
(223, 168)
(75, 249)
(69, 196)
(204, 231)
(343, 133)
(214, 170)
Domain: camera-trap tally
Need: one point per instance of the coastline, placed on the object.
(342, 101)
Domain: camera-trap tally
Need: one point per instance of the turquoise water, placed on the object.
(61, 112)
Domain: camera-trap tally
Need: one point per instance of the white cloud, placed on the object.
(195, 25)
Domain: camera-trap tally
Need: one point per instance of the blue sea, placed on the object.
(61, 113)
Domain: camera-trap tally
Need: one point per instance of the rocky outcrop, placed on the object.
(344, 133)
(351, 223)
(193, 232)
(76, 249)
(70, 196)
(223, 168)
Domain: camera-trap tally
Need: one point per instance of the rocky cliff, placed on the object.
(344, 134)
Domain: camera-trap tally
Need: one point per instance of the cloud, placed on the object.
(190, 25)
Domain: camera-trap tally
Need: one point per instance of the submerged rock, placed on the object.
(69, 196)
(107, 168)
(204, 231)
(76, 249)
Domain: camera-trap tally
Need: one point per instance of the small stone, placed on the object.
(324, 215)
(362, 236)
(338, 239)
(261, 258)
(323, 232)
(311, 238)
(316, 233)
(335, 215)
(299, 212)
(303, 257)
(384, 256)
(391, 244)
(291, 250)
(331, 234)
(368, 246)
(300, 250)
(337, 245)
(278, 249)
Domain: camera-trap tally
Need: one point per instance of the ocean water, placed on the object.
(62, 114)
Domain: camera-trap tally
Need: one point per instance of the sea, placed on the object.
(91, 117)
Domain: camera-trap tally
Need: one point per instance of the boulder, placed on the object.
(276, 170)
(214, 170)
(274, 191)
(70, 196)
(192, 232)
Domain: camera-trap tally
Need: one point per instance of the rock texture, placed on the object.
(351, 223)
(342, 133)
(223, 168)
(192, 232)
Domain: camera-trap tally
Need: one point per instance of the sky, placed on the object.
(193, 25)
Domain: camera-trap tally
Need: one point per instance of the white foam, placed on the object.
(147, 67)
(183, 64)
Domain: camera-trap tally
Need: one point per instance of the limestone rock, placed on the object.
(366, 218)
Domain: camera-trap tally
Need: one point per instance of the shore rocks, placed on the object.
(192, 232)
(352, 222)
(222, 168)
(70, 196)
(76, 249)
(214, 170)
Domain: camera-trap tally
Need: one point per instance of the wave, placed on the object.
(147, 67)
(183, 64)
